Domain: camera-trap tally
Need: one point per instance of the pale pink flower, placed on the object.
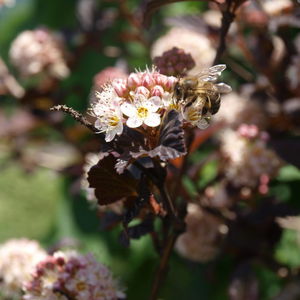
(71, 275)
(248, 159)
(201, 241)
(275, 8)
(18, 259)
(39, 51)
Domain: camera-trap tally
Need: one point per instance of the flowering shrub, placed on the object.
(164, 151)
(71, 275)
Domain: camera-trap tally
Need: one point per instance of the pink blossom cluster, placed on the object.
(139, 101)
(249, 162)
(201, 241)
(18, 259)
(69, 275)
(39, 51)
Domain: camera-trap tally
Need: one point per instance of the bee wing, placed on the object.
(203, 123)
(223, 88)
(212, 73)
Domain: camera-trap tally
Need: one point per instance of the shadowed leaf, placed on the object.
(171, 139)
(108, 184)
(288, 149)
(244, 284)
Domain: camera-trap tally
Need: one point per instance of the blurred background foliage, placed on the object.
(40, 202)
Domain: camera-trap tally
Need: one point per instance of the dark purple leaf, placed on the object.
(108, 184)
(288, 149)
(171, 139)
(135, 232)
(139, 202)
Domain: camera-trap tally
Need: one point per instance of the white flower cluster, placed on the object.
(275, 8)
(18, 258)
(248, 156)
(135, 101)
(39, 51)
(201, 241)
(70, 275)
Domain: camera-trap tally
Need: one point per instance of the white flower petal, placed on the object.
(119, 128)
(134, 122)
(128, 109)
(110, 135)
(153, 104)
(152, 120)
(98, 124)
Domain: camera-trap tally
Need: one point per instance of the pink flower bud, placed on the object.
(134, 80)
(253, 131)
(264, 179)
(248, 131)
(148, 80)
(143, 91)
(263, 189)
(160, 79)
(157, 90)
(120, 87)
(171, 80)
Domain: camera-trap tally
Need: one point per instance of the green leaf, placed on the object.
(289, 173)
(208, 173)
(288, 249)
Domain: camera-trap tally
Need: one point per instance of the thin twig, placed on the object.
(76, 115)
(163, 266)
(228, 15)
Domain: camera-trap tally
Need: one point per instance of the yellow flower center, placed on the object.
(142, 112)
(113, 121)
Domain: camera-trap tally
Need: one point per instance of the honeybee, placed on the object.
(199, 96)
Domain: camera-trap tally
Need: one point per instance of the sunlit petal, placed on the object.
(128, 109)
(152, 120)
(134, 122)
